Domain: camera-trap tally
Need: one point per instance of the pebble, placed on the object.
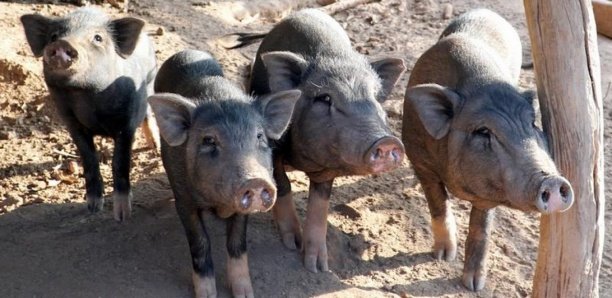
(348, 211)
(72, 167)
(447, 11)
(8, 135)
(325, 2)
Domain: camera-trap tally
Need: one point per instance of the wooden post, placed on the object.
(566, 61)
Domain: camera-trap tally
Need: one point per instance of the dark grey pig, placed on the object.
(469, 131)
(217, 155)
(98, 71)
(338, 126)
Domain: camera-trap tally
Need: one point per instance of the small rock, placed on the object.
(447, 11)
(392, 220)
(160, 31)
(7, 135)
(347, 211)
(72, 167)
(373, 19)
(325, 2)
(53, 182)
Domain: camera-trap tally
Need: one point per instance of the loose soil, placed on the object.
(379, 236)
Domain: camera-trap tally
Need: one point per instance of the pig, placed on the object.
(470, 132)
(216, 151)
(338, 125)
(98, 72)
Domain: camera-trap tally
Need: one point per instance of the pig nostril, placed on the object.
(545, 196)
(71, 53)
(378, 153)
(266, 197)
(245, 201)
(564, 191)
(395, 154)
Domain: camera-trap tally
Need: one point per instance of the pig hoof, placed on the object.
(445, 237)
(122, 206)
(94, 203)
(292, 241)
(204, 287)
(474, 280)
(242, 288)
(445, 251)
(316, 260)
(239, 278)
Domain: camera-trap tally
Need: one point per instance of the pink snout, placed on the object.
(255, 195)
(60, 55)
(386, 154)
(555, 195)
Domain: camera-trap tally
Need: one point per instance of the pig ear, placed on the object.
(126, 32)
(173, 115)
(285, 70)
(277, 110)
(435, 106)
(36, 30)
(389, 70)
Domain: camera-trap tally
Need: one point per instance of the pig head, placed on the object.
(339, 126)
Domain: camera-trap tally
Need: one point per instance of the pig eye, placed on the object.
(260, 136)
(208, 141)
(324, 98)
(97, 38)
(483, 132)
(54, 37)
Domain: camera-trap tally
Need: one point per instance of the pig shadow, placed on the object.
(345, 249)
(66, 251)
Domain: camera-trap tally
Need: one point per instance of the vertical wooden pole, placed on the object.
(566, 60)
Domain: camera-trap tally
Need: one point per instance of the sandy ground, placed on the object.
(51, 247)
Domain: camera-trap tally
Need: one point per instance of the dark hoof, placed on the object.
(94, 203)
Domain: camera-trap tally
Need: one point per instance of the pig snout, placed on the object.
(60, 55)
(385, 154)
(555, 195)
(255, 195)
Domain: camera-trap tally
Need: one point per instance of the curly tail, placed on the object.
(239, 40)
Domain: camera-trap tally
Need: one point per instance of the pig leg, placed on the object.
(443, 224)
(284, 208)
(91, 168)
(476, 249)
(237, 262)
(150, 130)
(315, 228)
(122, 156)
(199, 244)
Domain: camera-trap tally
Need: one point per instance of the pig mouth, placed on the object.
(59, 68)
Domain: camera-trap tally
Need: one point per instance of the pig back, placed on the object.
(488, 28)
(308, 32)
(186, 73)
